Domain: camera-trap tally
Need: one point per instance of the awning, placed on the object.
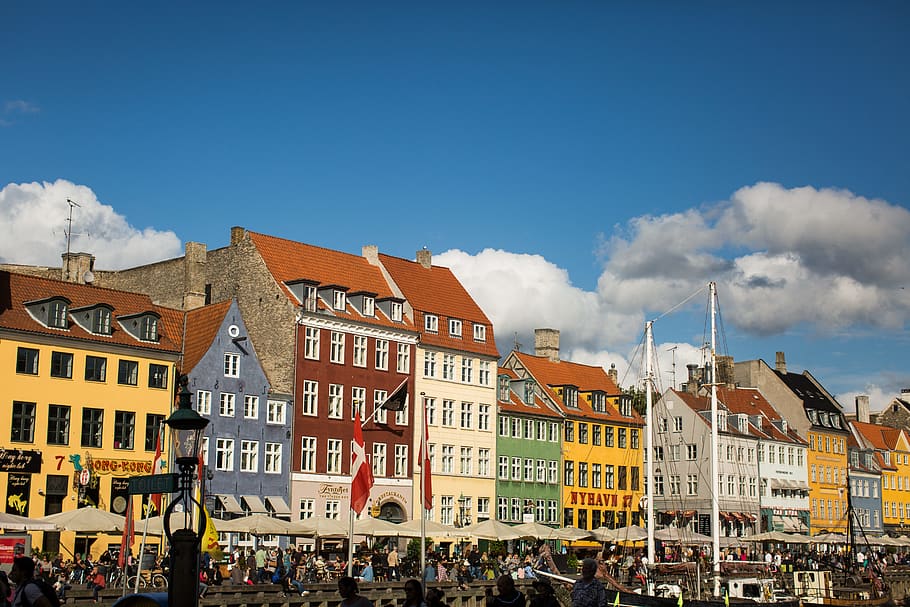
(230, 504)
(254, 504)
(789, 524)
(278, 504)
(726, 516)
(690, 513)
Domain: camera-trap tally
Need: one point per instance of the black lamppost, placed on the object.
(186, 427)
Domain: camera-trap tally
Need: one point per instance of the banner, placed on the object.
(18, 490)
(16, 460)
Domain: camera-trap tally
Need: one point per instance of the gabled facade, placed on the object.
(87, 376)
(602, 480)
(246, 446)
(893, 450)
(528, 453)
(455, 380)
(865, 482)
(897, 413)
(806, 405)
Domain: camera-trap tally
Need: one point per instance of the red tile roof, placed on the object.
(515, 404)
(18, 289)
(750, 401)
(883, 438)
(290, 261)
(435, 290)
(586, 378)
(202, 326)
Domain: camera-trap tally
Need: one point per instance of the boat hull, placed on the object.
(632, 599)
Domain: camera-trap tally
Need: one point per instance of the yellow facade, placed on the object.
(896, 485)
(64, 452)
(602, 469)
(827, 461)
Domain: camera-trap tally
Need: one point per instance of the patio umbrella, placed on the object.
(535, 530)
(681, 535)
(156, 524)
(319, 526)
(86, 520)
(256, 524)
(829, 538)
(573, 534)
(630, 533)
(604, 534)
(491, 529)
(434, 529)
(377, 527)
(12, 522)
(778, 537)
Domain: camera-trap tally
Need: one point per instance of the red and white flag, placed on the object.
(361, 473)
(157, 468)
(126, 541)
(426, 480)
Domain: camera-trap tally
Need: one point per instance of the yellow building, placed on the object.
(893, 449)
(827, 461)
(87, 376)
(602, 479)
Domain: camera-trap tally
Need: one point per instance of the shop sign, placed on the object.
(606, 500)
(120, 467)
(17, 460)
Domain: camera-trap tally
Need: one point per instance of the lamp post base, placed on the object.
(183, 589)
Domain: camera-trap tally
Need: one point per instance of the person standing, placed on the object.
(393, 561)
(262, 558)
(23, 575)
(413, 594)
(347, 589)
(508, 595)
(588, 591)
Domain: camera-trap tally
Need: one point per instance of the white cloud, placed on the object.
(20, 106)
(34, 219)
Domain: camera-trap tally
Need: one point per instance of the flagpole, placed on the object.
(423, 501)
(145, 532)
(350, 542)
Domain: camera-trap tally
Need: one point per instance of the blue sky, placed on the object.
(580, 165)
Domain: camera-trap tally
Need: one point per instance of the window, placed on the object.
(516, 509)
(272, 458)
(503, 472)
(401, 461)
(203, 402)
(336, 401)
(311, 343)
(552, 472)
(333, 509)
(529, 429)
(608, 476)
(382, 354)
(379, 452)
(429, 405)
(124, 426)
(360, 351)
(447, 509)
(503, 425)
(541, 469)
(58, 425)
(691, 452)
(582, 433)
(467, 370)
(448, 366)
(92, 427)
(529, 470)
(569, 474)
(308, 454)
(404, 358)
(516, 468)
(395, 308)
(483, 507)
(516, 427)
(502, 508)
(570, 432)
(570, 396)
(251, 407)
(157, 376)
(310, 396)
(480, 333)
(401, 416)
(333, 456)
(231, 364)
(358, 401)
(483, 462)
(336, 353)
(674, 484)
(448, 459)
(249, 456)
(621, 438)
(56, 314)
(448, 412)
(484, 374)
(483, 417)
(429, 364)
(224, 454)
(380, 415)
(27, 361)
(23, 430)
(369, 307)
(127, 372)
(431, 323)
(595, 476)
(621, 477)
(608, 441)
(455, 328)
(677, 424)
(338, 300)
(307, 508)
(466, 415)
(634, 433)
(226, 407)
(582, 474)
(153, 425)
(466, 461)
(148, 328)
(61, 364)
(599, 401)
(596, 434)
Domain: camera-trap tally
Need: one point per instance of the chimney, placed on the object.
(237, 234)
(780, 363)
(546, 343)
(862, 408)
(76, 266)
(691, 385)
(194, 275)
(725, 371)
(613, 374)
(425, 258)
(370, 252)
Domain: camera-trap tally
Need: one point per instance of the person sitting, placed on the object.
(436, 597)
(413, 594)
(545, 595)
(508, 595)
(347, 588)
(366, 573)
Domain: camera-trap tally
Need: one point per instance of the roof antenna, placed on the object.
(69, 233)
(673, 350)
(517, 346)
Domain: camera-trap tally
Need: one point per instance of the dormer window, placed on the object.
(503, 388)
(454, 327)
(101, 321)
(721, 421)
(148, 328)
(309, 298)
(339, 300)
(480, 332)
(813, 416)
(529, 393)
(625, 405)
(431, 323)
(369, 307)
(570, 396)
(56, 314)
(395, 311)
(598, 401)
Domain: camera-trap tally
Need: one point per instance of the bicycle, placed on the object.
(147, 580)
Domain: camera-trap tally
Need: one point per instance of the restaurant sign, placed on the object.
(17, 460)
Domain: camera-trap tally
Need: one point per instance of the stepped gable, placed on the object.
(436, 290)
(17, 290)
(202, 326)
(750, 401)
(290, 261)
(516, 405)
(587, 378)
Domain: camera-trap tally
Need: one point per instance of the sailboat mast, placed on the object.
(649, 451)
(715, 504)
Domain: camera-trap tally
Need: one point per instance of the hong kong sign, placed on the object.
(16, 460)
(120, 467)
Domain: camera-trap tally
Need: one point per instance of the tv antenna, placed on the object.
(69, 232)
(673, 350)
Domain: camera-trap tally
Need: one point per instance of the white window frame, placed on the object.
(204, 402)
(379, 459)
(431, 323)
(448, 367)
(336, 354)
(277, 412)
(359, 402)
(306, 508)
(455, 328)
(336, 401)
(308, 452)
(310, 400)
(381, 415)
(224, 454)
(466, 461)
(311, 343)
(484, 373)
(250, 406)
(333, 456)
(448, 413)
(272, 464)
(359, 354)
(231, 364)
(448, 459)
(483, 462)
(429, 364)
(401, 461)
(382, 354)
(467, 370)
(249, 456)
(483, 417)
(333, 509)
(503, 469)
(227, 406)
(369, 306)
(480, 332)
(467, 415)
(339, 299)
(395, 310)
(404, 358)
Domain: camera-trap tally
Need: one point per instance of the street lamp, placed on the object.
(186, 427)
(464, 511)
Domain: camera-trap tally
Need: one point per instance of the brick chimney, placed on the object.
(613, 374)
(780, 363)
(237, 234)
(370, 252)
(75, 266)
(862, 408)
(546, 343)
(425, 258)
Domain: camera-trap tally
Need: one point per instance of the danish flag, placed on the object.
(361, 474)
